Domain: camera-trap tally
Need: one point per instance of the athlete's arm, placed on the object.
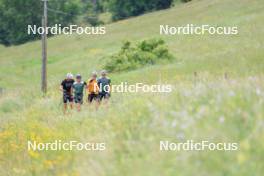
(61, 88)
(85, 87)
(72, 90)
(110, 87)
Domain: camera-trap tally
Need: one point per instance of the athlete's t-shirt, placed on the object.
(79, 87)
(92, 86)
(67, 85)
(104, 85)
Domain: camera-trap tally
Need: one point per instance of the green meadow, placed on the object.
(218, 95)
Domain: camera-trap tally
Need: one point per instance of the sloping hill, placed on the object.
(209, 106)
(83, 53)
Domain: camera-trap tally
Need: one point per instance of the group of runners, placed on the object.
(74, 89)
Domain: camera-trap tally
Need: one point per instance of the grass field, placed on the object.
(224, 102)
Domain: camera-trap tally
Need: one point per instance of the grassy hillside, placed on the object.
(208, 106)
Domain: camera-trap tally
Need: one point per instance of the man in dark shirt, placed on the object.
(66, 88)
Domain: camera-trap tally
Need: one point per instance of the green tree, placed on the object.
(16, 15)
(125, 8)
(91, 10)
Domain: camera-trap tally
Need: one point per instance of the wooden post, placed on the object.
(44, 49)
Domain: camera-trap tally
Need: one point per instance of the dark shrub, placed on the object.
(147, 52)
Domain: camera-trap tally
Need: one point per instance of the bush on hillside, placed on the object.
(147, 52)
(93, 19)
(181, 1)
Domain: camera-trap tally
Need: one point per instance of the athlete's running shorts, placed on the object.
(67, 98)
(104, 95)
(78, 98)
(92, 97)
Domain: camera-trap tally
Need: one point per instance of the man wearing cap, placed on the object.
(66, 88)
(78, 88)
(104, 84)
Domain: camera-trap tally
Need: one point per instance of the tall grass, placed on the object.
(200, 108)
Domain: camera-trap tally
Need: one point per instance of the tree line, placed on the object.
(16, 15)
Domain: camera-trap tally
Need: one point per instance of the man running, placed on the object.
(104, 84)
(78, 88)
(66, 88)
(92, 88)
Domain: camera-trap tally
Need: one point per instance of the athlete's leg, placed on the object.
(78, 106)
(64, 99)
(97, 102)
(89, 99)
(64, 108)
(71, 101)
